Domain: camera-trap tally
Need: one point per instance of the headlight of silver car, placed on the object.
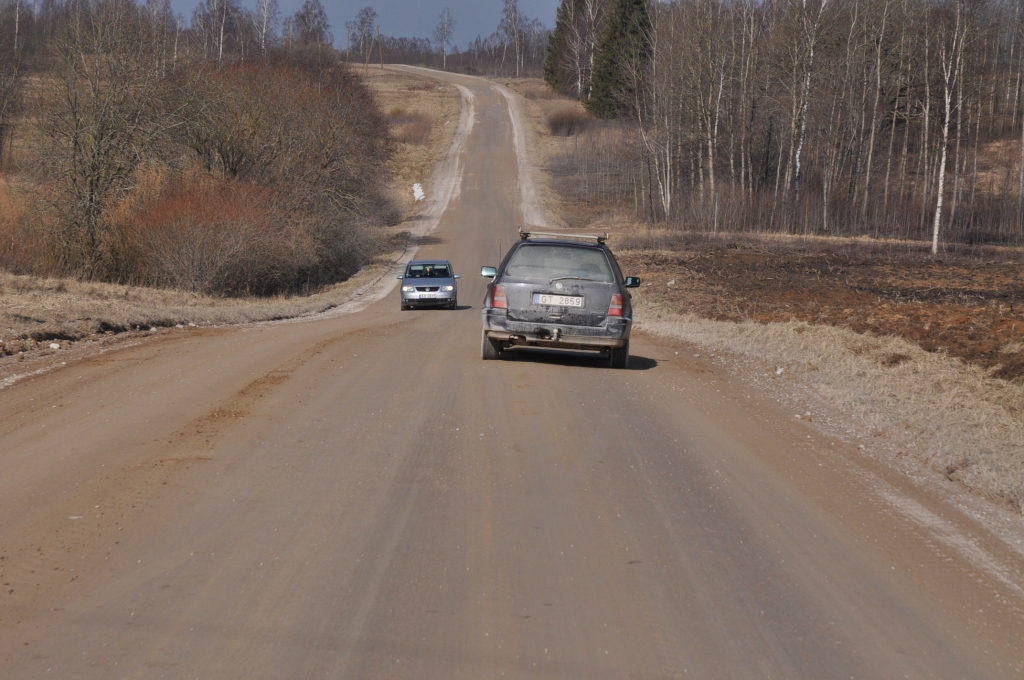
(407, 289)
(447, 289)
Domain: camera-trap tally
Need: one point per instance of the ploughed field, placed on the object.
(972, 309)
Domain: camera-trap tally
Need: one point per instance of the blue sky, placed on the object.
(413, 18)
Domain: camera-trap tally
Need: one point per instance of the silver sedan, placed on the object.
(429, 283)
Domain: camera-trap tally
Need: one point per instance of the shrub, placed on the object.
(410, 127)
(228, 237)
(24, 246)
(569, 121)
(535, 90)
(274, 179)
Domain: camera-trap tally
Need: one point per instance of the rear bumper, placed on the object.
(613, 333)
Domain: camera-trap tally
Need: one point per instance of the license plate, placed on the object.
(557, 300)
(427, 295)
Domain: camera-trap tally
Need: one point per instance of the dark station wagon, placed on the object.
(564, 291)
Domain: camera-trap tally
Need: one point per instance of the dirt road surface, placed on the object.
(360, 496)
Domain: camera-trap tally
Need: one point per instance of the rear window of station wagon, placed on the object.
(547, 262)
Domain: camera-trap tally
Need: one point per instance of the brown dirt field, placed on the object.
(968, 309)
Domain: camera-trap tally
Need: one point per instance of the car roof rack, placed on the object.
(525, 234)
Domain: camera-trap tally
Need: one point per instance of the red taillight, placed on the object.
(615, 308)
(498, 300)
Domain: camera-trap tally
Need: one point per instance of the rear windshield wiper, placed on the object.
(562, 278)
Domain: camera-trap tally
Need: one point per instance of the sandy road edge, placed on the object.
(529, 201)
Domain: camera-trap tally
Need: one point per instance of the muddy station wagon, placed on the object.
(564, 291)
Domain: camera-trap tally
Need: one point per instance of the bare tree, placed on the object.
(267, 17)
(12, 47)
(363, 29)
(311, 24)
(215, 23)
(443, 34)
(512, 27)
(103, 108)
(951, 39)
(584, 21)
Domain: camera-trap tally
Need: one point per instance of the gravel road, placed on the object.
(360, 496)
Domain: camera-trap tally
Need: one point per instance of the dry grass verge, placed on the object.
(36, 311)
(953, 417)
(422, 98)
(410, 127)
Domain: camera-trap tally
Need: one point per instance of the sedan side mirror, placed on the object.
(489, 272)
(458, 276)
(632, 282)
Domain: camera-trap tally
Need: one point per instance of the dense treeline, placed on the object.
(223, 158)
(518, 47)
(889, 118)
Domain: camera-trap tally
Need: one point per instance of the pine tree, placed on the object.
(556, 42)
(622, 54)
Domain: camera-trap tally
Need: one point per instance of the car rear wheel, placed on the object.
(489, 349)
(618, 357)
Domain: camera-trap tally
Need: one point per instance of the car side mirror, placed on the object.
(399, 277)
(458, 276)
(632, 282)
(489, 272)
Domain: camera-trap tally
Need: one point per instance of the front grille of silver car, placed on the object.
(428, 289)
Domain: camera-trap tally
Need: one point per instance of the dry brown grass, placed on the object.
(413, 162)
(410, 127)
(534, 89)
(36, 311)
(570, 120)
(952, 417)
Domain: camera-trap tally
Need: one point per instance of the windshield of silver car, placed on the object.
(428, 271)
(551, 262)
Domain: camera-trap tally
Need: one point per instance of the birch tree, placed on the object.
(512, 27)
(268, 15)
(952, 36)
(443, 34)
(12, 47)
